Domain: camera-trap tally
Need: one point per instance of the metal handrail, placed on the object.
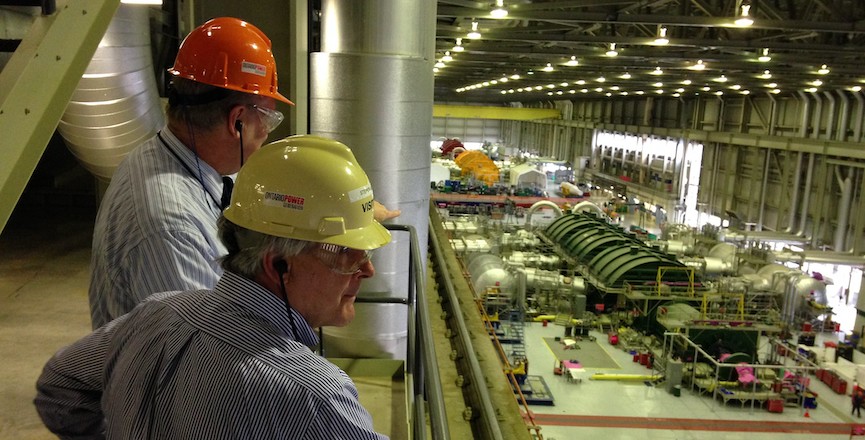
(423, 386)
(421, 363)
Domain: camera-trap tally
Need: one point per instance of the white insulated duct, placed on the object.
(371, 87)
(486, 271)
(585, 206)
(116, 105)
(542, 204)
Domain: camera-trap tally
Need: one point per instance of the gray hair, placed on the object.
(247, 248)
(204, 116)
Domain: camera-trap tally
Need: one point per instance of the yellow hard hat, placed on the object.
(307, 188)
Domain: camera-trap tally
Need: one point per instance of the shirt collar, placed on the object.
(208, 176)
(264, 304)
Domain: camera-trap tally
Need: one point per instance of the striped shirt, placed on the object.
(156, 228)
(219, 364)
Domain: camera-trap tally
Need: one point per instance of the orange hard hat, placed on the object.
(229, 53)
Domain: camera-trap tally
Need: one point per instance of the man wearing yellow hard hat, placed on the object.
(234, 362)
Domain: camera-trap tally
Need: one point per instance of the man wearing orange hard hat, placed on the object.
(156, 226)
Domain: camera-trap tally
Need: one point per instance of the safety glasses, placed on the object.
(269, 118)
(340, 259)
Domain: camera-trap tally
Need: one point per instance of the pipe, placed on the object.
(773, 114)
(806, 198)
(830, 117)
(794, 199)
(586, 205)
(860, 115)
(806, 111)
(115, 106)
(763, 190)
(846, 201)
(541, 204)
(844, 120)
(817, 116)
(826, 257)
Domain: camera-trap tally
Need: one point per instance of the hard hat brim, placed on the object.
(367, 238)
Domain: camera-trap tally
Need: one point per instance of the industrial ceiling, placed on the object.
(806, 45)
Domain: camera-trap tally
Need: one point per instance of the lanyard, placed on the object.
(189, 170)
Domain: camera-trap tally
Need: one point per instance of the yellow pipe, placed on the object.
(634, 377)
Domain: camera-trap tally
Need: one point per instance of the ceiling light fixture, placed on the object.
(459, 46)
(515, 76)
(744, 19)
(823, 70)
(766, 74)
(662, 37)
(686, 82)
(499, 11)
(572, 62)
(601, 79)
(626, 75)
(474, 34)
(439, 64)
(775, 91)
(855, 88)
(548, 68)
(698, 66)
(657, 71)
(447, 58)
(721, 79)
(765, 58)
(817, 83)
(612, 52)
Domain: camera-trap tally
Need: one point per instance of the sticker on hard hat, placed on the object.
(360, 193)
(283, 200)
(253, 68)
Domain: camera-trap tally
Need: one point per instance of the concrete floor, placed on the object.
(627, 409)
(44, 274)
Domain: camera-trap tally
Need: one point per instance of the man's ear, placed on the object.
(234, 120)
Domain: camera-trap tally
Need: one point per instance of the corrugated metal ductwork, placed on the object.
(116, 105)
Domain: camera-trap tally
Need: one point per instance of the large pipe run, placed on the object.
(116, 105)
